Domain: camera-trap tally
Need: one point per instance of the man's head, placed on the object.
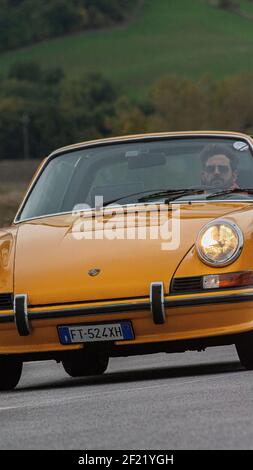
(219, 167)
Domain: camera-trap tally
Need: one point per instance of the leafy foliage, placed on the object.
(26, 21)
(175, 104)
(42, 109)
(45, 110)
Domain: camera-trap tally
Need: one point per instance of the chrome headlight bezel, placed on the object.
(235, 255)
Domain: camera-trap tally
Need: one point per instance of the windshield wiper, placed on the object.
(111, 201)
(229, 191)
(164, 193)
(172, 194)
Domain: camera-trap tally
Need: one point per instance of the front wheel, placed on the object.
(86, 364)
(244, 347)
(10, 373)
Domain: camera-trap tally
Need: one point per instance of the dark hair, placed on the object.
(218, 149)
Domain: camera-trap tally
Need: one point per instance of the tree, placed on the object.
(87, 102)
(59, 111)
(228, 4)
(57, 17)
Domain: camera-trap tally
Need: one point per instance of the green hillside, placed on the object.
(185, 37)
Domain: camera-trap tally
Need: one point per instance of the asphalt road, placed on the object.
(178, 401)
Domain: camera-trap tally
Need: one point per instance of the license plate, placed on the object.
(96, 332)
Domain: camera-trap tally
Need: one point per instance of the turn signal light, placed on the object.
(218, 281)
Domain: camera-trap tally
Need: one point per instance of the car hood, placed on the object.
(56, 256)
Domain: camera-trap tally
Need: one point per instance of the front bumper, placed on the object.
(185, 318)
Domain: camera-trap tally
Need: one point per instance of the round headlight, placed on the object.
(219, 243)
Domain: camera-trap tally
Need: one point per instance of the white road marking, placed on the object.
(74, 398)
(84, 396)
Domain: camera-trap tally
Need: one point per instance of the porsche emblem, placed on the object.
(94, 272)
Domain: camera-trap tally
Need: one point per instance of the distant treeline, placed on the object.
(41, 109)
(24, 22)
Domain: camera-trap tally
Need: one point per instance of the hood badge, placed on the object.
(94, 272)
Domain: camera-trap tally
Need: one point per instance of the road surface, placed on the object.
(177, 401)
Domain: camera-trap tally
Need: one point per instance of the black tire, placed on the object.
(244, 347)
(86, 364)
(10, 373)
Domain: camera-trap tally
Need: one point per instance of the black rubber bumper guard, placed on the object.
(157, 302)
(21, 314)
(156, 307)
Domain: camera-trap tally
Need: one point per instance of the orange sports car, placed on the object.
(130, 245)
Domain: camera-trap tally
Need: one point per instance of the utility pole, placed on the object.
(25, 127)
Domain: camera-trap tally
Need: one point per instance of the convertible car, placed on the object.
(130, 245)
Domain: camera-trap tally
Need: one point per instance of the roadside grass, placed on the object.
(182, 37)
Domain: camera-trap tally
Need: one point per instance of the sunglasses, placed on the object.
(222, 169)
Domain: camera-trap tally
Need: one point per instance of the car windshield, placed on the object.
(142, 171)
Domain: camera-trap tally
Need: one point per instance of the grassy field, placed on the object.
(14, 179)
(186, 37)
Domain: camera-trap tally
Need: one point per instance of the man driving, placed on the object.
(219, 167)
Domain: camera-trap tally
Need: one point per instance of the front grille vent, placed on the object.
(187, 285)
(6, 302)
